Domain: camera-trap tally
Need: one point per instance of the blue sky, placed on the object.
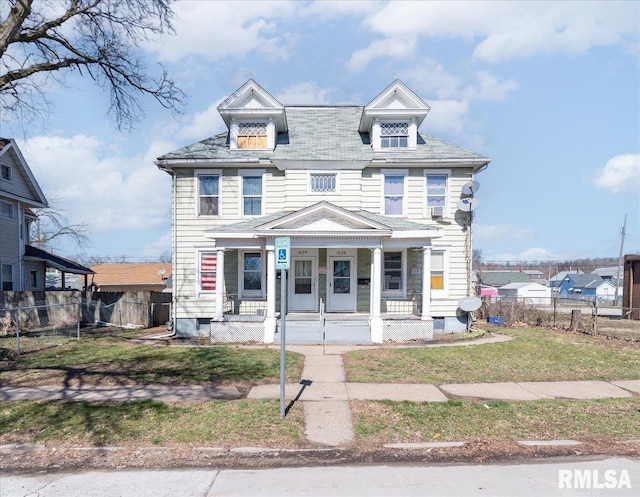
(549, 90)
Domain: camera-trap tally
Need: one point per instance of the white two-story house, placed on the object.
(369, 203)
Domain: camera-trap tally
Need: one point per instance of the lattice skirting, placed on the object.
(403, 331)
(236, 331)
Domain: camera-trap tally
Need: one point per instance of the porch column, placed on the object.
(270, 320)
(376, 295)
(219, 285)
(426, 283)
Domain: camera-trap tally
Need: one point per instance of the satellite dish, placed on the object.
(470, 188)
(468, 204)
(469, 304)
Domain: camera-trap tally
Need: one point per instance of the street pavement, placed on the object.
(618, 477)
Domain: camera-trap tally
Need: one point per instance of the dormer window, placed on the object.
(252, 136)
(394, 135)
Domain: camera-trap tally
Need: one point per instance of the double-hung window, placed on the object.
(208, 271)
(252, 136)
(208, 194)
(393, 193)
(6, 276)
(436, 193)
(393, 275)
(394, 134)
(6, 210)
(438, 274)
(251, 194)
(252, 277)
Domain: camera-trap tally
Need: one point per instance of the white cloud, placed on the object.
(219, 29)
(621, 173)
(203, 124)
(308, 93)
(96, 185)
(400, 47)
(490, 88)
(510, 30)
(487, 234)
(530, 254)
(446, 116)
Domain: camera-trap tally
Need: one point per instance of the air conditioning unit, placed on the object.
(437, 212)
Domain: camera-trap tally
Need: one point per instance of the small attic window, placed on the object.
(394, 134)
(252, 136)
(5, 172)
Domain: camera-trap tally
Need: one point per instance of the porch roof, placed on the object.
(324, 219)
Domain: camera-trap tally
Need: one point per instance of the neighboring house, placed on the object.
(23, 267)
(555, 281)
(131, 277)
(369, 204)
(529, 293)
(534, 274)
(586, 286)
(497, 279)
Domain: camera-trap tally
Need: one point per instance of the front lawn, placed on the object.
(532, 355)
(118, 361)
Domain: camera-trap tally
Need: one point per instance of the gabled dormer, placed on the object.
(393, 117)
(254, 118)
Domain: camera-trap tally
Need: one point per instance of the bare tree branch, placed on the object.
(97, 38)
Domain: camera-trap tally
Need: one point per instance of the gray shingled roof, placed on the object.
(585, 280)
(320, 133)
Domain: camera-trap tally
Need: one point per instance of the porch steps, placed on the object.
(343, 332)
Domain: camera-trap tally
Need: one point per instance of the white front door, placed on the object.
(341, 283)
(303, 284)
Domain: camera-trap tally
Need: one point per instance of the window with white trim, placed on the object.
(208, 194)
(6, 210)
(394, 135)
(251, 195)
(6, 276)
(436, 192)
(323, 182)
(393, 193)
(208, 271)
(393, 276)
(438, 276)
(252, 136)
(252, 274)
(5, 172)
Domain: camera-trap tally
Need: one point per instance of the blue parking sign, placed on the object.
(283, 248)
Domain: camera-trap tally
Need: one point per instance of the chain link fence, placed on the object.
(597, 318)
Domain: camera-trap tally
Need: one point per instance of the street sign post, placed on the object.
(283, 251)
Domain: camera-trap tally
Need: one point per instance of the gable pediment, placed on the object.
(396, 101)
(323, 217)
(251, 101)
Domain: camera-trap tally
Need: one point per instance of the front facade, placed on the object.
(370, 205)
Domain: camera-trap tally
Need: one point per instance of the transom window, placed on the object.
(394, 135)
(252, 136)
(393, 272)
(393, 194)
(323, 182)
(208, 194)
(5, 172)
